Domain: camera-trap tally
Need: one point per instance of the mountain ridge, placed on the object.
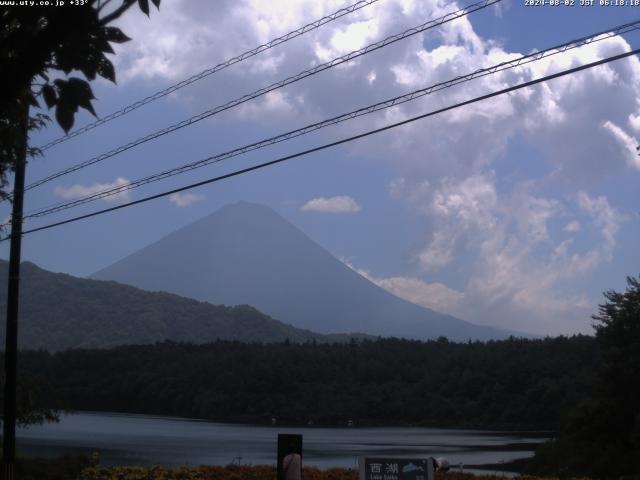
(60, 311)
(246, 253)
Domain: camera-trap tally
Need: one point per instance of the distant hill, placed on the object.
(248, 254)
(58, 311)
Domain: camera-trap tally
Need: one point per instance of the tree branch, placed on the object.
(104, 4)
(126, 5)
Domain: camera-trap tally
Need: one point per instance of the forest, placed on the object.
(60, 311)
(511, 384)
(585, 389)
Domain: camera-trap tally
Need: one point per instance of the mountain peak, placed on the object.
(243, 206)
(246, 253)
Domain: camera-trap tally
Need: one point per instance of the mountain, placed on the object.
(58, 311)
(247, 254)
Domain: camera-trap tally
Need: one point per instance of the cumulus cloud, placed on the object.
(470, 137)
(554, 116)
(436, 296)
(338, 204)
(79, 191)
(515, 265)
(634, 121)
(572, 227)
(520, 244)
(464, 209)
(185, 199)
(628, 144)
(604, 216)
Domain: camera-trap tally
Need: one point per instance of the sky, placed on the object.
(515, 212)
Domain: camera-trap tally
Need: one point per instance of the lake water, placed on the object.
(143, 440)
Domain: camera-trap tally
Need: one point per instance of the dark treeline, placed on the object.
(514, 383)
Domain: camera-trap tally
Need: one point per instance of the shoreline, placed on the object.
(506, 430)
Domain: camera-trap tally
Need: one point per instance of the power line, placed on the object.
(210, 71)
(274, 86)
(336, 143)
(525, 59)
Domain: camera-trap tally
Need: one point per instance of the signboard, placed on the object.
(288, 443)
(385, 468)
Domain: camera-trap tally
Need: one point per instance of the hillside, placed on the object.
(248, 254)
(58, 311)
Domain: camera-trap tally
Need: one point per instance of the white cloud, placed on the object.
(460, 210)
(627, 142)
(515, 265)
(439, 252)
(338, 204)
(572, 227)
(604, 216)
(185, 199)
(461, 141)
(634, 121)
(354, 36)
(79, 191)
(186, 35)
(467, 201)
(436, 296)
(509, 237)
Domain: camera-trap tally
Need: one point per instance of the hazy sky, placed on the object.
(516, 212)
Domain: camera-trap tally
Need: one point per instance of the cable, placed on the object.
(523, 60)
(274, 86)
(336, 143)
(209, 71)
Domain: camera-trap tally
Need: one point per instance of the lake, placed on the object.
(124, 439)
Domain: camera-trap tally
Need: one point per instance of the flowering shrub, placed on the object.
(234, 472)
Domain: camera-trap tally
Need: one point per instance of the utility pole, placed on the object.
(11, 339)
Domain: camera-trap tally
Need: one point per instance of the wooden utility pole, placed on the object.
(11, 338)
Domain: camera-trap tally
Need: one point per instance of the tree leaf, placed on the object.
(156, 3)
(115, 35)
(64, 59)
(81, 94)
(64, 116)
(106, 70)
(49, 95)
(88, 66)
(103, 45)
(73, 93)
(144, 6)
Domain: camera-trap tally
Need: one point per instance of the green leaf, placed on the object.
(106, 70)
(144, 6)
(115, 35)
(103, 45)
(64, 116)
(88, 66)
(72, 93)
(64, 59)
(81, 94)
(49, 95)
